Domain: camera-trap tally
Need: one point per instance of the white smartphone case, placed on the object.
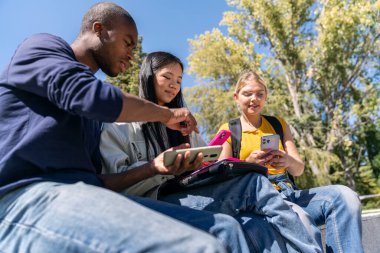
(270, 142)
(210, 153)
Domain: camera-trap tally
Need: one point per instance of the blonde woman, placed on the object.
(336, 206)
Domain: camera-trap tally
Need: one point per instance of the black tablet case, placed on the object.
(216, 172)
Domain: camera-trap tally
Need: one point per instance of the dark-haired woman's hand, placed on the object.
(181, 163)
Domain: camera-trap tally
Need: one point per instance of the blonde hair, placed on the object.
(249, 75)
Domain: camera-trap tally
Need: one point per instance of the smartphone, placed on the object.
(210, 153)
(220, 138)
(270, 142)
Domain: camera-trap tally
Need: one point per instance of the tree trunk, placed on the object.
(293, 93)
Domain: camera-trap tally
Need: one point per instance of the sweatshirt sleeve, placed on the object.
(114, 148)
(45, 65)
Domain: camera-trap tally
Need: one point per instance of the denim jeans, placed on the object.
(336, 206)
(339, 208)
(54, 217)
(254, 202)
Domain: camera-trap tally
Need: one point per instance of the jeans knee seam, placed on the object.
(335, 231)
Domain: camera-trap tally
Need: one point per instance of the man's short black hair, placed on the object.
(105, 13)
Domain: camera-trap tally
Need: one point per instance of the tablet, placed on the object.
(210, 153)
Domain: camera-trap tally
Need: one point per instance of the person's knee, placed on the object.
(349, 197)
(255, 184)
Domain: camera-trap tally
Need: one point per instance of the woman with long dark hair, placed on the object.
(158, 136)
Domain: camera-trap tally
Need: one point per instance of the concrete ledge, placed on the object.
(371, 231)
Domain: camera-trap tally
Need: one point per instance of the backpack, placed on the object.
(236, 132)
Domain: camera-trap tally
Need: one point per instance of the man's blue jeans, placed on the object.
(255, 202)
(53, 217)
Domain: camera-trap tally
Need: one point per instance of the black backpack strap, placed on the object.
(276, 124)
(235, 129)
(236, 132)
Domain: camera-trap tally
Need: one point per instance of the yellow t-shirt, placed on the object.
(250, 140)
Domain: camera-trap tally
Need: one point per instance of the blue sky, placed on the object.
(165, 25)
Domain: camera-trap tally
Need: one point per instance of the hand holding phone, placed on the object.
(210, 153)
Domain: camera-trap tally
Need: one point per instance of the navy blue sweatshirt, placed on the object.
(51, 107)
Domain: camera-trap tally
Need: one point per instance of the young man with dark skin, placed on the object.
(52, 198)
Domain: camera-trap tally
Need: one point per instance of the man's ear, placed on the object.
(97, 27)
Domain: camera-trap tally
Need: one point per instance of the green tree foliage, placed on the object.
(213, 102)
(321, 62)
(129, 80)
